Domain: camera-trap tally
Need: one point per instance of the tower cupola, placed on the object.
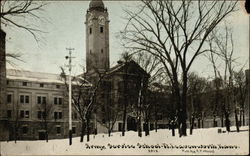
(96, 5)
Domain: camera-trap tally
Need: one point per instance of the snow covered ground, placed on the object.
(202, 142)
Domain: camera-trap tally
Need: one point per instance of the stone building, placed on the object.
(34, 104)
(121, 84)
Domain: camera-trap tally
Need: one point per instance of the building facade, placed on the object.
(37, 103)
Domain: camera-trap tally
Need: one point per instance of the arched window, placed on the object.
(101, 29)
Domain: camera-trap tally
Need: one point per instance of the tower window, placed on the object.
(90, 51)
(90, 30)
(101, 29)
(101, 50)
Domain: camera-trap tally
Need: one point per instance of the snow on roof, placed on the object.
(14, 74)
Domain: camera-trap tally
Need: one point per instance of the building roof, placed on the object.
(24, 75)
(121, 64)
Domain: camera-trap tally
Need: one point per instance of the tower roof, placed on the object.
(96, 5)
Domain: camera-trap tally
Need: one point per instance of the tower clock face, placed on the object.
(101, 20)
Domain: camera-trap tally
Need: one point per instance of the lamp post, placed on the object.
(70, 94)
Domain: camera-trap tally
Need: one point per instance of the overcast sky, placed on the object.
(65, 28)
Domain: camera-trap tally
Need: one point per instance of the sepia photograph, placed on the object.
(111, 77)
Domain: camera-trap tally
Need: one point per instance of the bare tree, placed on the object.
(126, 58)
(152, 66)
(84, 96)
(196, 87)
(241, 88)
(12, 13)
(45, 110)
(222, 47)
(176, 33)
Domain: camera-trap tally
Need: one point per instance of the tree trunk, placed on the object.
(46, 130)
(199, 122)
(184, 106)
(214, 121)
(173, 129)
(192, 125)
(146, 127)
(222, 120)
(83, 127)
(236, 121)
(243, 116)
(88, 128)
(124, 120)
(227, 122)
(109, 132)
(139, 127)
(15, 133)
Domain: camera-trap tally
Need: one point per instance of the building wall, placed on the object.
(3, 122)
(33, 90)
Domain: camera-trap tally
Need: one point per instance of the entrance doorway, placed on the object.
(131, 123)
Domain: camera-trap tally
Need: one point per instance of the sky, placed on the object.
(65, 28)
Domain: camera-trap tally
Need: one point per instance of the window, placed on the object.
(25, 129)
(9, 98)
(101, 50)
(21, 98)
(21, 114)
(60, 115)
(73, 130)
(9, 113)
(90, 30)
(57, 86)
(25, 83)
(44, 100)
(58, 130)
(39, 100)
(27, 114)
(57, 115)
(90, 51)
(60, 101)
(41, 85)
(8, 82)
(101, 29)
(55, 100)
(39, 114)
(27, 100)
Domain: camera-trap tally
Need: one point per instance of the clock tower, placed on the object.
(97, 37)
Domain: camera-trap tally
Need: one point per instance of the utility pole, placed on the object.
(70, 94)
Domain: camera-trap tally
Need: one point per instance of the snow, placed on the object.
(202, 142)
